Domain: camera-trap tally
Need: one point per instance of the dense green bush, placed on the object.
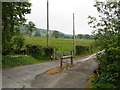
(100, 84)
(81, 49)
(87, 49)
(107, 33)
(19, 42)
(95, 46)
(34, 50)
(48, 51)
(15, 43)
(108, 67)
(7, 47)
(39, 52)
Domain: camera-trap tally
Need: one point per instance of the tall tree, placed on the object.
(13, 14)
(61, 35)
(55, 34)
(86, 36)
(80, 36)
(31, 27)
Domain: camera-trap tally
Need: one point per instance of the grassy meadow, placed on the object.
(61, 44)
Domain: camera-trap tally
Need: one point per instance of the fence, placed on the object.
(68, 56)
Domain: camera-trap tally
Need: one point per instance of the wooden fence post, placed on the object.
(61, 63)
(71, 57)
(54, 54)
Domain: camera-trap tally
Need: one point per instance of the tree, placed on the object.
(19, 42)
(37, 33)
(13, 14)
(61, 35)
(86, 36)
(55, 34)
(68, 36)
(31, 27)
(107, 32)
(80, 36)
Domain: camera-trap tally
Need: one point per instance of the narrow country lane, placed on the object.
(24, 76)
(21, 76)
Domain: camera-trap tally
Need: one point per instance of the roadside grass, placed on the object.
(18, 60)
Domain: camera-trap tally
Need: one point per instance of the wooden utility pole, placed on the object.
(71, 57)
(0, 28)
(47, 23)
(74, 45)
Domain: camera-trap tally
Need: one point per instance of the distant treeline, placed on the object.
(52, 33)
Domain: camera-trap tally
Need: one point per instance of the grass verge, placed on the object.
(89, 82)
(18, 60)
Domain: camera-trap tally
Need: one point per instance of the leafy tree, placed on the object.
(92, 37)
(31, 27)
(13, 14)
(55, 34)
(80, 36)
(18, 42)
(107, 32)
(86, 36)
(68, 36)
(61, 35)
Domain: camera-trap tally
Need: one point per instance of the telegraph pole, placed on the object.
(74, 45)
(47, 23)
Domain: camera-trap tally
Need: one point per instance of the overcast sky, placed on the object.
(60, 15)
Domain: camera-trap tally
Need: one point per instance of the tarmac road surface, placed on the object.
(24, 76)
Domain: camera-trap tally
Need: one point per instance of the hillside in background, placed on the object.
(53, 33)
(41, 30)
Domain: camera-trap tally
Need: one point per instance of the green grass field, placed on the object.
(64, 45)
